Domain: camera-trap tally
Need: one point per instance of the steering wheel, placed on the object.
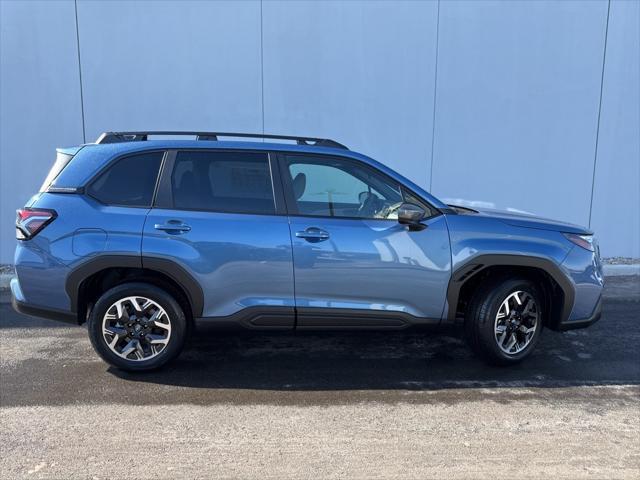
(368, 204)
(387, 211)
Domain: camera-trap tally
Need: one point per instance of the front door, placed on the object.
(354, 264)
(217, 218)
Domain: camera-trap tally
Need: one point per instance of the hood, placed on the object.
(526, 220)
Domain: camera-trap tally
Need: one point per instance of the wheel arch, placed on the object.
(105, 271)
(558, 289)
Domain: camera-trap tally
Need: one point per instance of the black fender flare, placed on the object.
(476, 264)
(162, 265)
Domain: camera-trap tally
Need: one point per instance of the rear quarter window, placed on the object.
(62, 160)
(235, 182)
(129, 182)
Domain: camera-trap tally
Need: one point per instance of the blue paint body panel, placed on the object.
(373, 265)
(239, 260)
(248, 261)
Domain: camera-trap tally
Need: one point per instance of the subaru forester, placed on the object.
(142, 237)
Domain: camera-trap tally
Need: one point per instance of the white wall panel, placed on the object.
(517, 104)
(152, 65)
(616, 200)
(517, 92)
(39, 101)
(359, 72)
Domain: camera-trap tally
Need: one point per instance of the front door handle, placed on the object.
(313, 234)
(173, 226)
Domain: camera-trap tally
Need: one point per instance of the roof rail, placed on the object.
(117, 137)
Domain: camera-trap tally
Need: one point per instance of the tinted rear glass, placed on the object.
(62, 159)
(128, 182)
(238, 182)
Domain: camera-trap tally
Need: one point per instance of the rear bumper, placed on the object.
(21, 306)
(583, 322)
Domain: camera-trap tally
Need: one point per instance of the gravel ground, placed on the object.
(489, 438)
(325, 405)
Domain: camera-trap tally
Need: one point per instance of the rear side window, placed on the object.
(62, 160)
(238, 182)
(129, 182)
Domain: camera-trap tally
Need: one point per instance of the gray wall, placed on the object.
(511, 105)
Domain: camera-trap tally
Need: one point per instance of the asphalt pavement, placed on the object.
(325, 405)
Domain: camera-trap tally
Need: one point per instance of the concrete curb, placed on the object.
(5, 279)
(621, 270)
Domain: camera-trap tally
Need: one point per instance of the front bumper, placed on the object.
(583, 322)
(584, 270)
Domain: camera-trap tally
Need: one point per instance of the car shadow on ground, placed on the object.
(399, 360)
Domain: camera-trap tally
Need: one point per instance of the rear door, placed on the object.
(355, 265)
(220, 216)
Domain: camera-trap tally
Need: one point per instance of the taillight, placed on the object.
(29, 221)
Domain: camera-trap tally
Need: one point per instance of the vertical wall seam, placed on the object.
(435, 88)
(84, 135)
(262, 64)
(595, 156)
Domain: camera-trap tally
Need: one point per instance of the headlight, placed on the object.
(584, 241)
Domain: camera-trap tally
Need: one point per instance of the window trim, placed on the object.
(86, 188)
(164, 197)
(291, 202)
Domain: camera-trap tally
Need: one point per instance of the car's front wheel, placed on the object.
(504, 320)
(137, 326)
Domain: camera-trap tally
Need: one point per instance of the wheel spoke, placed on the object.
(128, 348)
(116, 332)
(157, 314)
(134, 302)
(165, 326)
(502, 338)
(157, 339)
(517, 297)
(139, 350)
(512, 342)
(119, 331)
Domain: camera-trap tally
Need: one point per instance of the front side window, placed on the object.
(238, 182)
(129, 182)
(332, 187)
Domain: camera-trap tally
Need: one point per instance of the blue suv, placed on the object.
(142, 238)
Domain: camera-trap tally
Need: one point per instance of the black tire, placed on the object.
(480, 319)
(175, 314)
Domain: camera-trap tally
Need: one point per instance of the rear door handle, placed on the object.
(313, 234)
(173, 226)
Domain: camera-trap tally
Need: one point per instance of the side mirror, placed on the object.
(410, 214)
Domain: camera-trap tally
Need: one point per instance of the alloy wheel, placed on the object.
(516, 322)
(136, 328)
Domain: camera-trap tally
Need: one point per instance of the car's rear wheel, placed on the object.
(504, 320)
(137, 326)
